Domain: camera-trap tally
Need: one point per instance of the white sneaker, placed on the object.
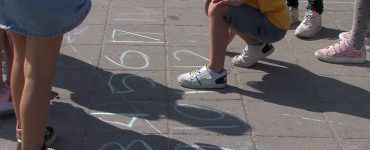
(310, 26)
(203, 78)
(294, 14)
(252, 54)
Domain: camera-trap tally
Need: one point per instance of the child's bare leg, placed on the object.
(39, 63)
(219, 36)
(17, 79)
(247, 39)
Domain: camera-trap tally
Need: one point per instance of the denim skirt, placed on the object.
(42, 18)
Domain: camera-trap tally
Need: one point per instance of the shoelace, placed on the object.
(195, 72)
(308, 19)
(334, 47)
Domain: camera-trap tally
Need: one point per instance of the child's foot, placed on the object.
(50, 137)
(310, 26)
(346, 35)
(294, 14)
(252, 54)
(6, 106)
(203, 78)
(341, 52)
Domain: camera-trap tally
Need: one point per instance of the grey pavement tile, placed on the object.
(212, 142)
(343, 19)
(78, 57)
(7, 141)
(231, 92)
(112, 117)
(180, 58)
(281, 60)
(126, 57)
(185, 3)
(76, 85)
(135, 15)
(338, 6)
(126, 141)
(326, 37)
(135, 34)
(68, 141)
(268, 87)
(138, 3)
(206, 117)
(287, 119)
(187, 36)
(341, 89)
(186, 16)
(294, 143)
(85, 34)
(134, 86)
(7, 126)
(100, 2)
(355, 144)
(349, 120)
(67, 117)
(97, 15)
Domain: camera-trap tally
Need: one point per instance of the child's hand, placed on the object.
(229, 2)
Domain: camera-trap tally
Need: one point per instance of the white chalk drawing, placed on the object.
(122, 58)
(144, 39)
(128, 125)
(71, 36)
(220, 117)
(190, 52)
(128, 147)
(199, 147)
(124, 83)
(193, 92)
(305, 118)
(205, 127)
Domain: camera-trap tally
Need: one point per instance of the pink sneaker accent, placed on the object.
(346, 35)
(341, 52)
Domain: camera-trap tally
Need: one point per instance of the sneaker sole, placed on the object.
(48, 143)
(218, 86)
(340, 60)
(308, 35)
(262, 56)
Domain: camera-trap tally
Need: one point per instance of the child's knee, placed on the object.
(217, 11)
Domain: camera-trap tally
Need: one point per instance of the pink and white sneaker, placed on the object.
(345, 35)
(341, 52)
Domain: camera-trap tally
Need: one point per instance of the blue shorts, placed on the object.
(42, 18)
(251, 22)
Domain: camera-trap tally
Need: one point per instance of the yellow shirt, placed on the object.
(275, 10)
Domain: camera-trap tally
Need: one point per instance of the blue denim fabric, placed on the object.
(253, 23)
(42, 18)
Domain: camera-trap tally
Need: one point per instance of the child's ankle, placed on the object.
(216, 70)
